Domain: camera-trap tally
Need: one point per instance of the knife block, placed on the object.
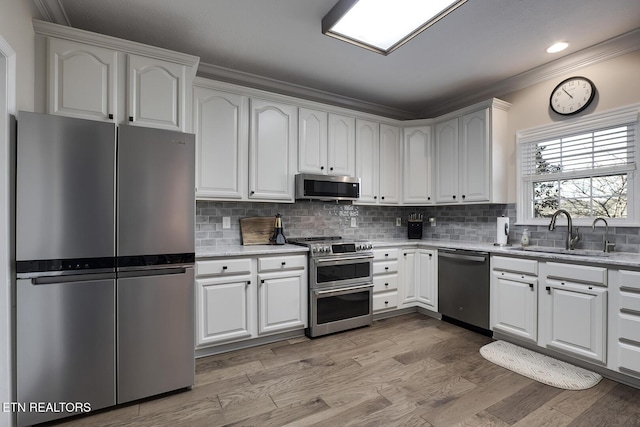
(414, 229)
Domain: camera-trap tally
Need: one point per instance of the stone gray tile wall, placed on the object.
(469, 223)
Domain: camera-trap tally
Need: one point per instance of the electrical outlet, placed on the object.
(432, 221)
(354, 222)
(398, 222)
(226, 222)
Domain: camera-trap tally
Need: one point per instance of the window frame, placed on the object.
(589, 123)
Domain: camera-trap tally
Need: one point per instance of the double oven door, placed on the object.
(341, 294)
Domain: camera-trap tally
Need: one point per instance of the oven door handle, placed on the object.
(343, 259)
(349, 289)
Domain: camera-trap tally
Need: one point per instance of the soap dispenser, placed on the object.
(524, 240)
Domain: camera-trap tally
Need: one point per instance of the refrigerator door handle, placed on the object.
(156, 272)
(48, 280)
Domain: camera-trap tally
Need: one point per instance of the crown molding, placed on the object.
(278, 86)
(612, 48)
(52, 11)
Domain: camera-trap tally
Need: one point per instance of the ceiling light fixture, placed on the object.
(557, 47)
(382, 25)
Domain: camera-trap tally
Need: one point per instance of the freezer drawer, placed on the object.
(65, 343)
(155, 327)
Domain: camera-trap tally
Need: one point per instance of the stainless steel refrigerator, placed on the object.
(104, 261)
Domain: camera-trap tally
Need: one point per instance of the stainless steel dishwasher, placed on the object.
(463, 287)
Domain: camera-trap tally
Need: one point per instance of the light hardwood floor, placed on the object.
(409, 370)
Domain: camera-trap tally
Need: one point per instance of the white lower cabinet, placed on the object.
(514, 297)
(419, 277)
(243, 298)
(385, 279)
(573, 310)
(624, 326)
(225, 310)
(282, 301)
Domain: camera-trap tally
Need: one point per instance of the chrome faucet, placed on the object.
(571, 239)
(608, 246)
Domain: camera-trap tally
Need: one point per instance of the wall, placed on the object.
(617, 84)
(469, 223)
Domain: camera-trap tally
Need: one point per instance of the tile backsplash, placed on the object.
(470, 223)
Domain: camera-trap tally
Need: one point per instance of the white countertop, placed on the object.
(619, 259)
(623, 259)
(240, 250)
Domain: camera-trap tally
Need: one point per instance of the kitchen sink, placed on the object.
(574, 252)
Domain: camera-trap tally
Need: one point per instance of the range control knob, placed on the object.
(314, 250)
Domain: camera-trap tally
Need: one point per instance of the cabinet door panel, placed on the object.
(312, 148)
(576, 319)
(390, 153)
(367, 161)
(341, 145)
(222, 137)
(82, 80)
(282, 303)
(474, 157)
(446, 161)
(427, 276)
(514, 305)
(156, 93)
(408, 276)
(272, 148)
(417, 165)
(224, 310)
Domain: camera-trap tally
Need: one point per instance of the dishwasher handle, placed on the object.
(466, 257)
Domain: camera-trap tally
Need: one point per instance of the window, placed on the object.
(585, 166)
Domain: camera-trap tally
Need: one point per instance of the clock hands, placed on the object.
(567, 93)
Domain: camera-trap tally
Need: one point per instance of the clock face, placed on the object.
(572, 95)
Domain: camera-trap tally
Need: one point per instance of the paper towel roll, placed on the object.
(502, 231)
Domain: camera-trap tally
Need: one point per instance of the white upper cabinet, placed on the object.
(222, 140)
(312, 143)
(378, 152)
(82, 80)
(97, 77)
(418, 153)
(470, 154)
(272, 150)
(367, 159)
(390, 158)
(156, 93)
(341, 146)
(326, 143)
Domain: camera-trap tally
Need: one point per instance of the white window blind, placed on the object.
(599, 152)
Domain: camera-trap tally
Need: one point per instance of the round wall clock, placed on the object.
(572, 95)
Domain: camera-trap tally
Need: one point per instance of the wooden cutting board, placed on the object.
(257, 230)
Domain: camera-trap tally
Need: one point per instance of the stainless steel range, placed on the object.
(340, 284)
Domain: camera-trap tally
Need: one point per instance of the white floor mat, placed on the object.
(539, 367)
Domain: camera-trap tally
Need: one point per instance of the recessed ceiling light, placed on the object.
(557, 47)
(382, 25)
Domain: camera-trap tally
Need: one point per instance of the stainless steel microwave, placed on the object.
(326, 187)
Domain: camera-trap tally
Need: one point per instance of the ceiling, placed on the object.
(484, 48)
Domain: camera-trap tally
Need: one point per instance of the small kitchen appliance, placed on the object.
(414, 226)
(340, 284)
(327, 187)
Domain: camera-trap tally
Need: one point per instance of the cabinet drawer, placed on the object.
(578, 273)
(279, 263)
(629, 357)
(385, 254)
(385, 301)
(629, 301)
(384, 267)
(629, 279)
(223, 266)
(526, 266)
(630, 327)
(385, 282)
